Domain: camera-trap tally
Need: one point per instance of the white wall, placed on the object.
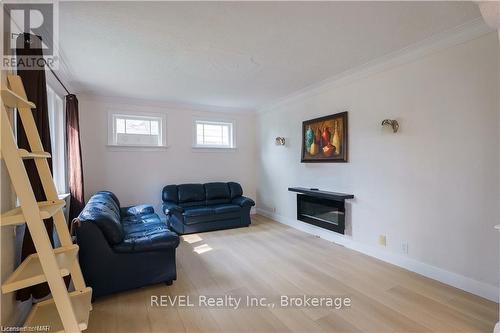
(137, 176)
(435, 184)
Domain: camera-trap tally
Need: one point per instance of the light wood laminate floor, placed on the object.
(269, 259)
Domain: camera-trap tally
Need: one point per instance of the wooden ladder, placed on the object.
(66, 311)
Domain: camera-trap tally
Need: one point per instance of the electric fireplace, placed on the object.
(321, 208)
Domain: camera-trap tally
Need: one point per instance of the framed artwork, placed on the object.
(325, 139)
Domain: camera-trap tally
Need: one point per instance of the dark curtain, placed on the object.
(29, 46)
(74, 152)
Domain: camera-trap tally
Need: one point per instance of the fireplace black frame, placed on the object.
(331, 200)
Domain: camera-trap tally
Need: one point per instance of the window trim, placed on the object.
(232, 134)
(112, 113)
(58, 139)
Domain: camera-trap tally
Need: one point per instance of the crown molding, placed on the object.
(460, 34)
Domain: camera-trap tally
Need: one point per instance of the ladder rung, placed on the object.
(30, 272)
(47, 209)
(13, 100)
(31, 155)
(45, 313)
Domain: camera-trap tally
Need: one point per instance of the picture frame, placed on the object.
(325, 139)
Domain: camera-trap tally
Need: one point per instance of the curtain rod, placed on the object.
(59, 80)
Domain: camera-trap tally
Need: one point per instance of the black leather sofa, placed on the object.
(205, 207)
(123, 248)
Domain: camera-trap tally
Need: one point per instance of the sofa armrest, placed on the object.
(93, 244)
(243, 201)
(170, 207)
(136, 210)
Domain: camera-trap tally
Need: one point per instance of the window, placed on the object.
(137, 130)
(58, 139)
(214, 134)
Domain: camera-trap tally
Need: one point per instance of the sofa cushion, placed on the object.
(137, 210)
(137, 225)
(130, 223)
(235, 189)
(191, 193)
(194, 215)
(209, 214)
(170, 193)
(215, 191)
(149, 237)
(199, 211)
(146, 233)
(226, 208)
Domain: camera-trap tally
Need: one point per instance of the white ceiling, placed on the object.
(235, 54)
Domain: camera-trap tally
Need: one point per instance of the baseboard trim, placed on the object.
(472, 286)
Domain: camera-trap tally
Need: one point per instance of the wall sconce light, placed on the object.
(280, 141)
(391, 122)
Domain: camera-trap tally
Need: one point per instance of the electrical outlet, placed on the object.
(274, 209)
(382, 240)
(404, 247)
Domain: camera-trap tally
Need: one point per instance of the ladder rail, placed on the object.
(48, 185)
(41, 240)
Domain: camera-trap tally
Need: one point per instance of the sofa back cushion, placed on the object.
(217, 193)
(170, 193)
(103, 210)
(110, 195)
(107, 198)
(235, 190)
(191, 195)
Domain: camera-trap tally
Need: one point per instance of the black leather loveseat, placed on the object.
(205, 207)
(123, 248)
